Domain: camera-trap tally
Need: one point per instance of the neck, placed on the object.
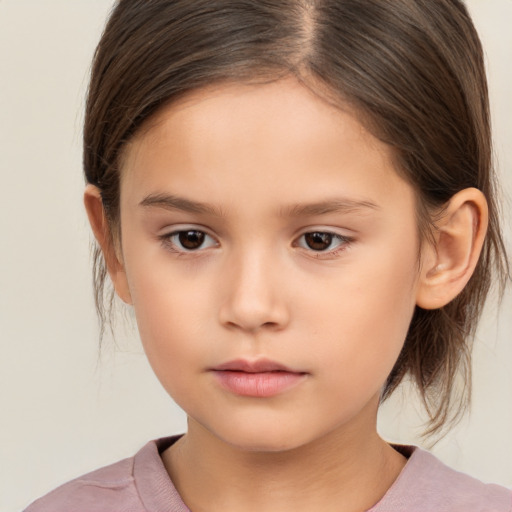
(348, 469)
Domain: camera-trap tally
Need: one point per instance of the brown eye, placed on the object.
(188, 241)
(318, 241)
(191, 240)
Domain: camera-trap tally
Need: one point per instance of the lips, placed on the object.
(259, 366)
(262, 378)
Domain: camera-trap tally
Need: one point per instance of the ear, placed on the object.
(112, 255)
(450, 262)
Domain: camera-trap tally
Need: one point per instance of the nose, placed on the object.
(254, 297)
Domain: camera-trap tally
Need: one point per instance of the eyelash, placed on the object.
(344, 242)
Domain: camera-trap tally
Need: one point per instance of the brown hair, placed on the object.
(414, 71)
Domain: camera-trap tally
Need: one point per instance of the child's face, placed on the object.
(302, 249)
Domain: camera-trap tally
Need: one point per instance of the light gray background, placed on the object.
(63, 412)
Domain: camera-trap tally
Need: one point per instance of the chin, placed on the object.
(264, 438)
(263, 445)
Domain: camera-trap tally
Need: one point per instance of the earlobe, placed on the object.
(97, 219)
(448, 264)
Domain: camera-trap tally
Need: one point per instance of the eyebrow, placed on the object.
(336, 205)
(171, 202)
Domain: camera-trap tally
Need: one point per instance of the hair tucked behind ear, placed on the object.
(414, 71)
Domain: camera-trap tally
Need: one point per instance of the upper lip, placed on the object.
(258, 366)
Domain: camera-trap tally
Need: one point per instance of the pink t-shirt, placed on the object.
(141, 484)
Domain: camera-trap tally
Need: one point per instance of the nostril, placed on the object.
(252, 299)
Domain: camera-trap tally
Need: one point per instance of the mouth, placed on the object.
(262, 378)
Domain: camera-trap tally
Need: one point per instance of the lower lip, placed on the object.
(264, 384)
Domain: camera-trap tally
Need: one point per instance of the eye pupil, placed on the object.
(318, 241)
(191, 239)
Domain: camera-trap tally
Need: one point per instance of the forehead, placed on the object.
(231, 138)
(262, 92)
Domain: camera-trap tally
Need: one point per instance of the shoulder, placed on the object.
(139, 483)
(428, 485)
(111, 486)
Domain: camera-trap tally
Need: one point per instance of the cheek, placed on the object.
(168, 333)
(172, 314)
(166, 312)
(367, 317)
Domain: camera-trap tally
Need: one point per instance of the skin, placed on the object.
(256, 289)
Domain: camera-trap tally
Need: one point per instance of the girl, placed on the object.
(296, 198)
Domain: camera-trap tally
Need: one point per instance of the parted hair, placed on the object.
(412, 69)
